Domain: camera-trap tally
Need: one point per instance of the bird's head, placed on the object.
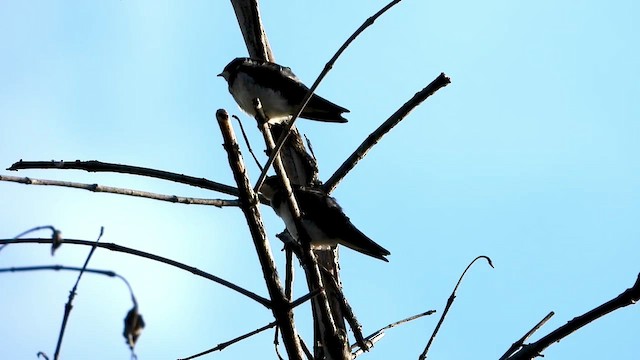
(231, 69)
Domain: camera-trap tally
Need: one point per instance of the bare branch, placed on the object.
(377, 335)
(223, 345)
(530, 351)
(356, 328)
(335, 345)
(448, 306)
(98, 166)
(246, 141)
(518, 344)
(441, 81)
(255, 38)
(118, 248)
(249, 201)
(121, 191)
(324, 72)
(72, 294)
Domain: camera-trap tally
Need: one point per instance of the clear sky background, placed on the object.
(530, 156)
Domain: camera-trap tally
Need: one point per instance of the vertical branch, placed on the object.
(334, 345)
(249, 205)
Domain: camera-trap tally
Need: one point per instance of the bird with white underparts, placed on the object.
(279, 90)
(321, 217)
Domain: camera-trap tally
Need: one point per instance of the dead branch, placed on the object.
(448, 306)
(439, 82)
(121, 191)
(520, 343)
(72, 294)
(249, 205)
(356, 328)
(98, 166)
(255, 38)
(377, 335)
(626, 298)
(335, 346)
(223, 345)
(118, 248)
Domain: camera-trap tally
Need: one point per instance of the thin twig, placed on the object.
(55, 233)
(347, 311)
(121, 191)
(628, 297)
(68, 306)
(246, 141)
(377, 335)
(223, 345)
(302, 299)
(118, 248)
(307, 97)
(439, 82)
(310, 147)
(108, 273)
(448, 306)
(306, 350)
(98, 166)
(518, 344)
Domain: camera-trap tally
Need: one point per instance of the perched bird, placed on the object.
(321, 217)
(279, 91)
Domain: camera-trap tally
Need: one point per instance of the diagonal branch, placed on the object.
(223, 345)
(626, 298)
(332, 342)
(118, 248)
(520, 343)
(121, 191)
(72, 294)
(441, 81)
(377, 335)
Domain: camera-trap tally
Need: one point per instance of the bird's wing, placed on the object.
(328, 215)
(274, 76)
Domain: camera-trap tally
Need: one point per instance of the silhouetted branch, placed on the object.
(246, 141)
(441, 81)
(313, 87)
(530, 351)
(121, 191)
(98, 166)
(518, 344)
(118, 248)
(331, 340)
(449, 303)
(223, 345)
(56, 236)
(377, 335)
(68, 306)
(348, 313)
(249, 205)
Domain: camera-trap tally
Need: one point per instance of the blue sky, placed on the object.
(530, 156)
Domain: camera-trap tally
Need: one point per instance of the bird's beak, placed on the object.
(219, 74)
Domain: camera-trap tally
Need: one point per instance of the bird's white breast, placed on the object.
(244, 90)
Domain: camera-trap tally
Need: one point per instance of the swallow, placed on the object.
(322, 218)
(279, 90)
